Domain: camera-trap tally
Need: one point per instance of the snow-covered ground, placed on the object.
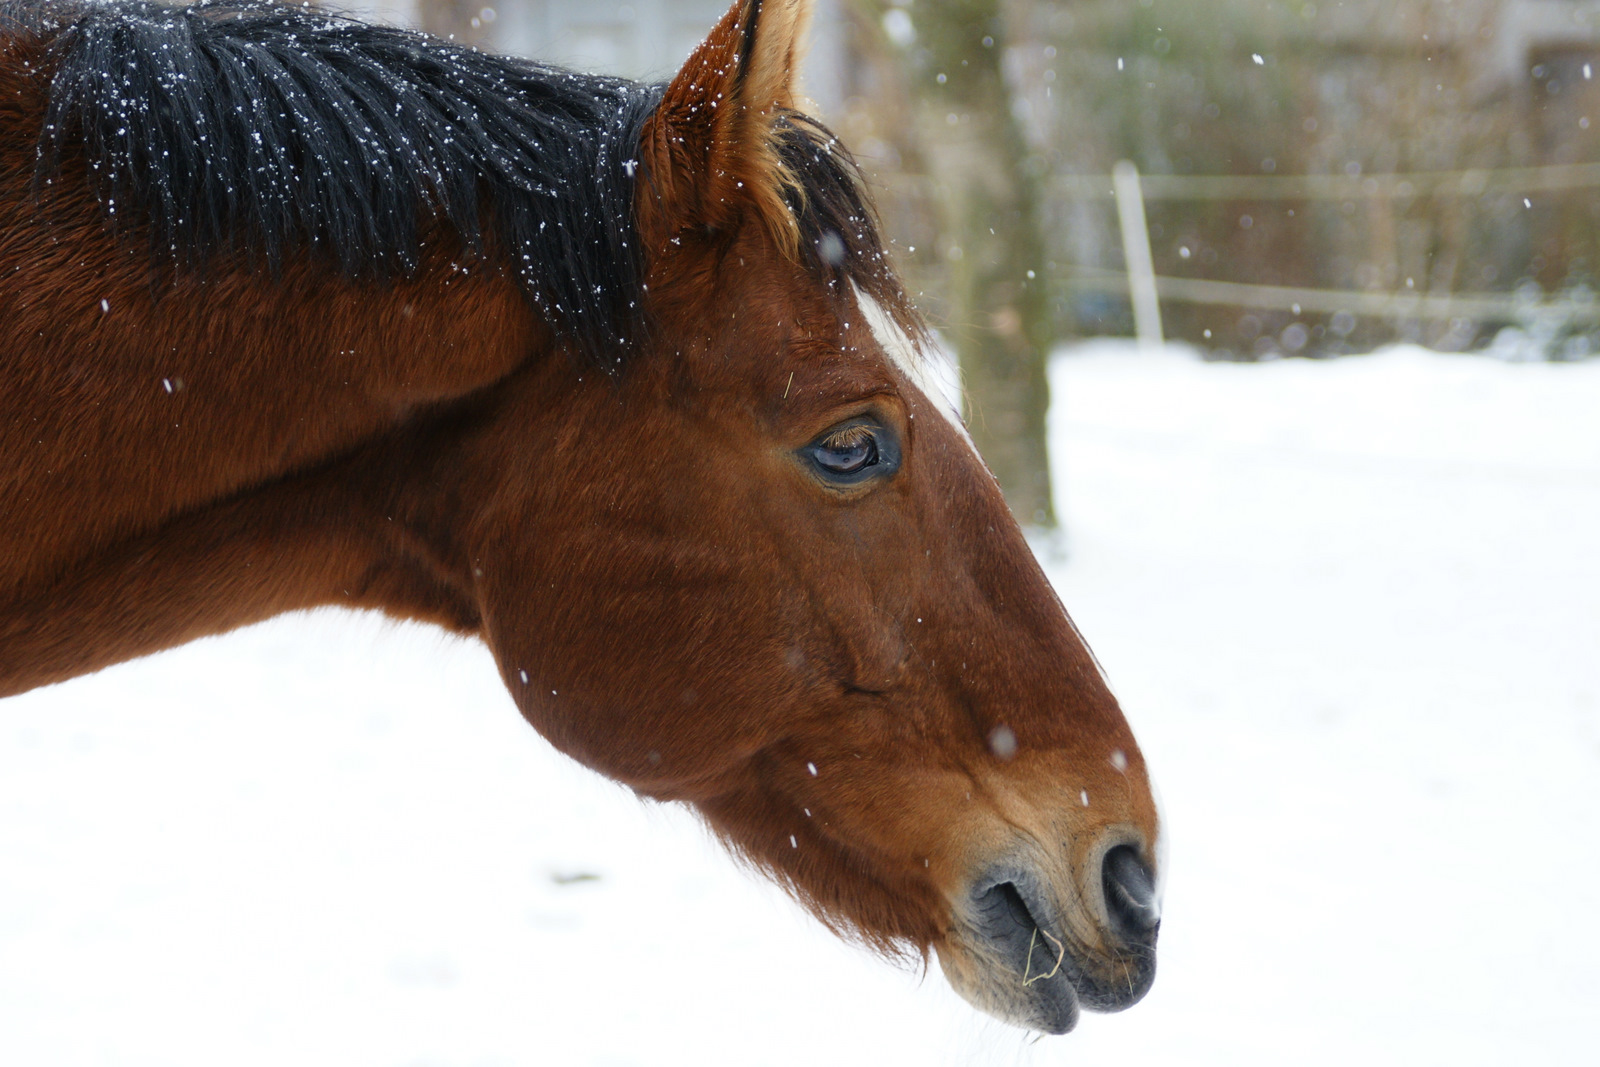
(1352, 608)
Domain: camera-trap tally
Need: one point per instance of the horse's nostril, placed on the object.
(1130, 894)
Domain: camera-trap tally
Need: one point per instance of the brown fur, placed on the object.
(715, 124)
(672, 598)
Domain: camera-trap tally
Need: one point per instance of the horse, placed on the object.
(297, 311)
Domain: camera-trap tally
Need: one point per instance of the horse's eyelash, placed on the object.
(848, 437)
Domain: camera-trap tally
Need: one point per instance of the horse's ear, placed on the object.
(709, 152)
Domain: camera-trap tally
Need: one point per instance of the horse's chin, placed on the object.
(1047, 1004)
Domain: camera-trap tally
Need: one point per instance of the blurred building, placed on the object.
(1483, 102)
(643, 39)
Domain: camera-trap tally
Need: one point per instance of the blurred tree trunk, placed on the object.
(975, 150)
(995, 246)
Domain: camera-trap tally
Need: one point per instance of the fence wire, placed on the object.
(1579, 309)
(1477, 307)
(1509, 181)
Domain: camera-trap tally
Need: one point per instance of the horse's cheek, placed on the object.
(642, 664)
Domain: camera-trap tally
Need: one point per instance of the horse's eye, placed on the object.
(847, 451)
(854, 452)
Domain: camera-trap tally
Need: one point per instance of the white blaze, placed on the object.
(933, 373)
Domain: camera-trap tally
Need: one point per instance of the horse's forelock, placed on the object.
(840, 236)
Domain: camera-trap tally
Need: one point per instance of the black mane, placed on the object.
(245, 126)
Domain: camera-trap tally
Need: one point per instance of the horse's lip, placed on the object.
(1007, 956)
(1016, 918)
(1023, 963)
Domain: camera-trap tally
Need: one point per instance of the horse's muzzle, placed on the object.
(1024, 958)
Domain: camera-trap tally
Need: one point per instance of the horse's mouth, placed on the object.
(1013, 955)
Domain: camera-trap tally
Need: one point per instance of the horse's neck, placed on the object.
(126, 405)
(177, 460)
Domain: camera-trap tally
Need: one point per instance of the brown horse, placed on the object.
(296, 311)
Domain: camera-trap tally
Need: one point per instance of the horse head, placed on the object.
(761, 570)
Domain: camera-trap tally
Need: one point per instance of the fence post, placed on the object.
(1136, 253)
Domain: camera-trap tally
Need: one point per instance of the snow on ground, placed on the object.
(1352, 608)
